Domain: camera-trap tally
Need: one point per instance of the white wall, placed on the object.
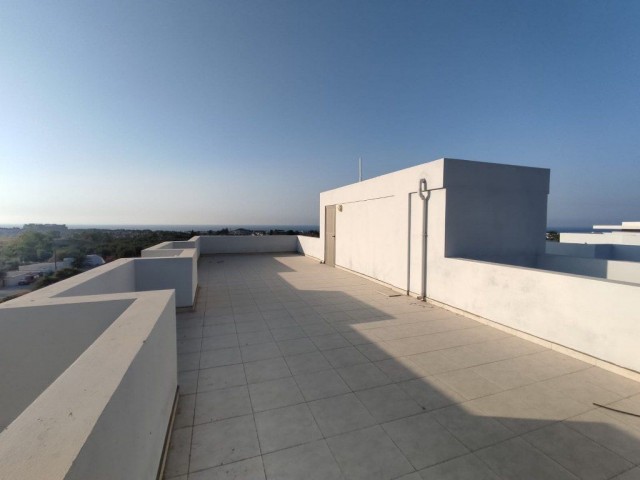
(38, 343)
(106, 415)
(115, 277)
(169, 273)
(594, 267)
(240, 244)
(593, 316)
(128, 438)
(311, 247)
(489, 211)
(486, 213)
(619, 238)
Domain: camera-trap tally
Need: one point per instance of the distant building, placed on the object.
(627, 233)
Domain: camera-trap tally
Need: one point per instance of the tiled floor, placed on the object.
(293, 370)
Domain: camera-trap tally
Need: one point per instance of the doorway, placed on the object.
(330, 235)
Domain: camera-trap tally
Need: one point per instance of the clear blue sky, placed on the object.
(213, 112)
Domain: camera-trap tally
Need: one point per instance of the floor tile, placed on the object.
(423, 440)
(286, 427)
(225, 441)
(399, 369)
(367, 375)
(610, 432)
(467, 467)
(307, 363)
(578, 454)
(220, 341)
(340, 414)
(330, 341)
(633, 474)
(221, 377)
(388, 402)
(218, 358)
(368, 454)
(430, 393)
(516, 458)
(221, 404)
(326, 383)
(296, 346)
(275, 394)
(250, 469)
(469, 384)
(264, 370)
(345, 357)
(253, 338)
(178, 454)
(184, 411)
(188, 382)
(288, 333)
(311, 461)
(261, 351)
(474, 431)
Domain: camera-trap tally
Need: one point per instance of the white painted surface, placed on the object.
(480, 213)
(592, 316)
(593, 267)
(249, 244)
(38, 343)
(105, 416)
(614, 238)
(169, 273)
(310, 246)
(629, 253)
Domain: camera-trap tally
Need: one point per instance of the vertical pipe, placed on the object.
(409, 244)
(424, 195)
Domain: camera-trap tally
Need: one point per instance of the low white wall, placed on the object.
(614, 238)
(177, 273)
(593, 316)
(240, 244)
(38, 343)
(115, 277)
(593, 267)
(128, 438)
(579, 250)
(311, 247)
(106, 415)
(165, 273)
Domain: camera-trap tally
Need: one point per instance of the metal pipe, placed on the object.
(424, 195)
(409, 243)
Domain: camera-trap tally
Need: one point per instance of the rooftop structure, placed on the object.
(625, 234)
(300, 357)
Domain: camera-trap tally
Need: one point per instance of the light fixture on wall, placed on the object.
(339, 208)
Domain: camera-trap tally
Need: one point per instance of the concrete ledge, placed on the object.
(106, 414)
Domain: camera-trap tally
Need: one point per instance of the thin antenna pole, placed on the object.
(360, 169)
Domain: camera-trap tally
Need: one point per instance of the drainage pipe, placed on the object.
(424, 195)
(409, 243)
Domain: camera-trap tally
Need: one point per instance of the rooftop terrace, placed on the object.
(289, 369)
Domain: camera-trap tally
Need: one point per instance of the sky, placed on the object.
(242, 112)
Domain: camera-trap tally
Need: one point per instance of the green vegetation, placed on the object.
(30, 246)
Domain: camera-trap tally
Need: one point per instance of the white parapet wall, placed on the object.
(593, 267)
(210, 245)
(311, 247)
(589, 315)
(88, 384)
(613, 238)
